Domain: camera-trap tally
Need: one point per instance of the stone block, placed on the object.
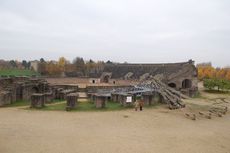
(37, 101)
(71, 101)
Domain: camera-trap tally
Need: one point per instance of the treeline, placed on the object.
(62, 67)
(214, 78)
(14, 64)
(77, 68)
(207, 71)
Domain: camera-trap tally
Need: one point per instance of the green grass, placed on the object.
(17, 72)
(57, 105)
(18, 103)
(57, 100)
(27, 103)
(217, 91)
(89, 106)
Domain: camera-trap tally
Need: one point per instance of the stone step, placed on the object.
(82, 95)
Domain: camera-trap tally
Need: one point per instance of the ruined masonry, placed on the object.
(22, 88)
(165, 83)
(180, 76)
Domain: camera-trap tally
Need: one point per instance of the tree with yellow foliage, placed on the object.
(206, 71)
(227, 76)
(62, 63)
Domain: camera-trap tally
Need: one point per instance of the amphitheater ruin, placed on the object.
(167, 83)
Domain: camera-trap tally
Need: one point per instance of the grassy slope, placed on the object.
(17, 72)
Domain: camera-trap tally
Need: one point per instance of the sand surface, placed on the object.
(155, 130)
(83, 82)
(151, 131)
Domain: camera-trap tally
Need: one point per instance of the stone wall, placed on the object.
(95, 88)
(20, 88)
(137, 70)
(181, 76)
(5, 98)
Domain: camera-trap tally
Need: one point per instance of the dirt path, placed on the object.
(153, 130)
(156, 130)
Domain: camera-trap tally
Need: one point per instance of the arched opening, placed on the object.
(93, 81)
(186, 83)
(172, 85)
(106, 79)
(19, 93)
(34, 90)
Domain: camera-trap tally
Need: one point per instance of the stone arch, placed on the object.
(186, 83)
(19, 92)
(172, 85)
(34, 90)
(106, 77)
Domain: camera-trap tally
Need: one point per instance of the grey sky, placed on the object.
(120, 30)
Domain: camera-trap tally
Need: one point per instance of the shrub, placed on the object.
(220, 84)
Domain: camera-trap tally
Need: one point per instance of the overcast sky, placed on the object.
(136, 31)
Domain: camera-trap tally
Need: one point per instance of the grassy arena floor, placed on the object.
(87, 106)
(60, 105)
(18, 103)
